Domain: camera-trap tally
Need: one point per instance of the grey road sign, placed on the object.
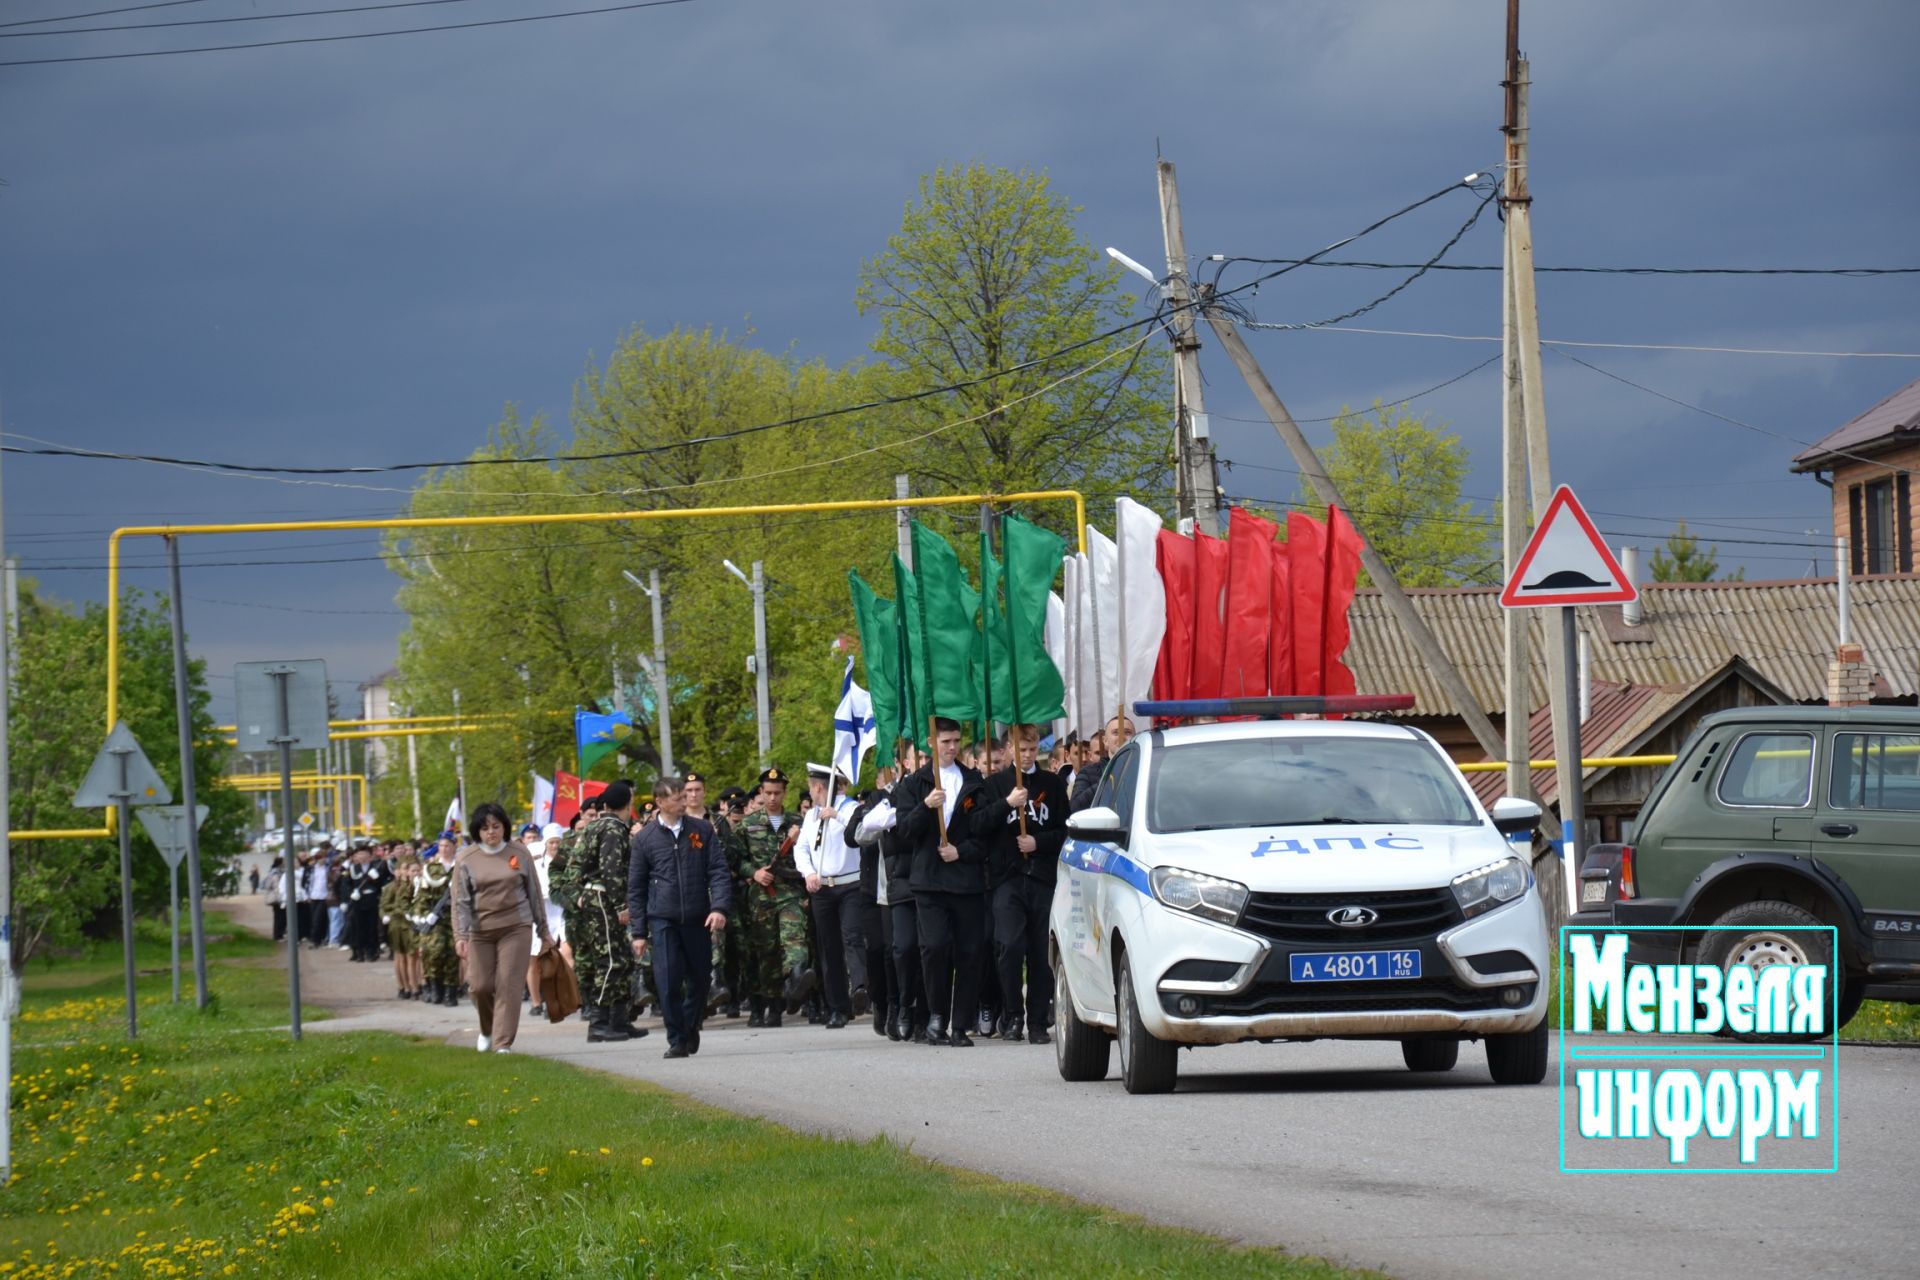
(257, 690)
(102, 788)
(167, 826)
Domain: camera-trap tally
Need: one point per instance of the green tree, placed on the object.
(64, 888)
(987, 273)
(1403, 478)
(1682, 560)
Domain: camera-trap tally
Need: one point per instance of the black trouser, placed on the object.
(279, 919)
(952, 926)
(363, 928)
(1020, 909)
(319, 922)
(992, 1000)
(840, 927)
(903, 940)
(879, 931)
(682, 958)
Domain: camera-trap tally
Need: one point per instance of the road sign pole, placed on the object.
(173, 923)
(121, 799)
(1572, 799)
(283, 739)
(183, 713)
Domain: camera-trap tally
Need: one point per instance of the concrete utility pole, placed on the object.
(1522, 353)
(459, 763)
(1197, 479)
(413, 779)
(903, 523)
(762, 705)
(183, 714)
(8, 991)
(1415, 627)
(652, 589)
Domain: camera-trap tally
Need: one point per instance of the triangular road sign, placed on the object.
(102, 788)
(166, 825)
(1566, 562)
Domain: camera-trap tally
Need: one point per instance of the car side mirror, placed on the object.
(1097, 824)
(1512, 816)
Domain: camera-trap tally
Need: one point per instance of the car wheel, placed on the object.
(1147, 1063)
(1852, 996)
(1762, 934)
(1430, 1055)
(1519, 1057)
(1080, 1051)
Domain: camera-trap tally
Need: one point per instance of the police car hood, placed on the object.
(1328, 859)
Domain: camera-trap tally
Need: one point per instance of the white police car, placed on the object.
(1294, 880)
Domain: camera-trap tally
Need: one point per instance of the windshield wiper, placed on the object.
(1304, 822)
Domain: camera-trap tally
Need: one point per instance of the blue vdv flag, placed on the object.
(594, 734)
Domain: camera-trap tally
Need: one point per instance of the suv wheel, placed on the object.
(1430, 1055)
(1761, 934)
(1147, 1063)
(1080, 1051)
(1518, 1057)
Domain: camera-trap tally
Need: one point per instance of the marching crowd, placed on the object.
(922, 902)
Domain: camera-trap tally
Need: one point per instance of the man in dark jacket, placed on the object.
(936, 806)
(876, 829)
(1117, 734)
(679, 889)
(1022, 818)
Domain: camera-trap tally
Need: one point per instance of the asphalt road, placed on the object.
(1326, 1148)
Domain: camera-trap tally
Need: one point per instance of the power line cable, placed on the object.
(210, 22)
(1856, 272)
(1611, 346)
(100, 13)
(356, 35)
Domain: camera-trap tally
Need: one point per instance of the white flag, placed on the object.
(854, 731)
(1142, 596)
(1100, 582)
(1070, 669)
(453, 816)
(1056, 635)
(542, 801)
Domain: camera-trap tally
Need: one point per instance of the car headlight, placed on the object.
(1485, 888)
(1199, 895)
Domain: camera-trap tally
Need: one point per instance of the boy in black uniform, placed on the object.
(948, 881)
(1022, 819)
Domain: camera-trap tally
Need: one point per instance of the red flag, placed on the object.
(1209, 631)
(567, 796)
(1343, 575)
(1307, 566)
(1173, 672)
(1249, 606)
(1280, 628)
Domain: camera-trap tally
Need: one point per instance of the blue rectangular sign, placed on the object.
(1352, 966)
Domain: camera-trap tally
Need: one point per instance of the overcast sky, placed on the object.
(360, 252)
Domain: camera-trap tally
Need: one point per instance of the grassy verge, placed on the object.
(210, 1147)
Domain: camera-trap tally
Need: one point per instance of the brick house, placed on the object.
(1872, 461)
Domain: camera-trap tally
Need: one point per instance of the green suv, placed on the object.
(1773, 817)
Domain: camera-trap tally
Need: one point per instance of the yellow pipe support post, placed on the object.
(478, 522)
(1589, 762)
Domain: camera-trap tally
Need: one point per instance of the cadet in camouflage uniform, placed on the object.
(396, 904)
(432, 914)
(603, 953)
(760, 850)
(563, 881)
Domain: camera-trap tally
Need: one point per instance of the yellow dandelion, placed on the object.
(473, 1122)
(605, 1152)
(647, 1161)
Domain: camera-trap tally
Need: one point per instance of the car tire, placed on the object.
(1427, 1054)
(1080, 1050)
(1518, 1057)
(1852, 996)
(1758, 934)
(1147, 1063)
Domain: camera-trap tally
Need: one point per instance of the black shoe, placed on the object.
(403, 994)
(539, 1010)
(899, 1026)
(607, 1033)
(774, 1016)
(452, 998)
(917, 1033)
(758, 1018)
(861, 1002)
(836, 1021)
(731, 1009)
(675, 1051)
(959, 1039)
(1012, 1028)
(693, 1041)
(800, 985)
(433, 991)
(936, 1030)
(882, 1022)
(1039, 1036)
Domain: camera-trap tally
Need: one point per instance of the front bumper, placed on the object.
(1486, 976)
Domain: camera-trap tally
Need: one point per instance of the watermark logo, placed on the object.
(1668, 1067)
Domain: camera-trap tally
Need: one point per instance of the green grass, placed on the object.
(214, 1147)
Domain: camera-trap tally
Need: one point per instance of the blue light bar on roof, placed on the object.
(1301, 705)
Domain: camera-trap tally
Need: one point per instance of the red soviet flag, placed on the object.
(1249, 605)
(1173, 671)
(1209, 631)
(568, 795)
(1307, 566)
(1343, 576)
(1280, 627)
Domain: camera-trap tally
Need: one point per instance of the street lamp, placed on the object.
(758, 585)
(658, 667)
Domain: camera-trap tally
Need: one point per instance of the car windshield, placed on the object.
(1298, 781)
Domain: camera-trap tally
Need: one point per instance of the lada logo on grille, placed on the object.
(1352, 917)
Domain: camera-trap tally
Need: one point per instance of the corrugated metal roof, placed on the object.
(1786, 630)
(1616, 713)
(1897, 415)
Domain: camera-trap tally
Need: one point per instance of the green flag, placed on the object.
(879, 625)
(1036, 691)
(943, 627)
(915, 708)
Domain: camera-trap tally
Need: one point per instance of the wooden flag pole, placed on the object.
(940, 813)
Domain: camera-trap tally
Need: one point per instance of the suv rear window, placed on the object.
(1769, 770)
(1876, 771)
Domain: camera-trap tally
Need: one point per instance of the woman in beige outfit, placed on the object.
(497, 908)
